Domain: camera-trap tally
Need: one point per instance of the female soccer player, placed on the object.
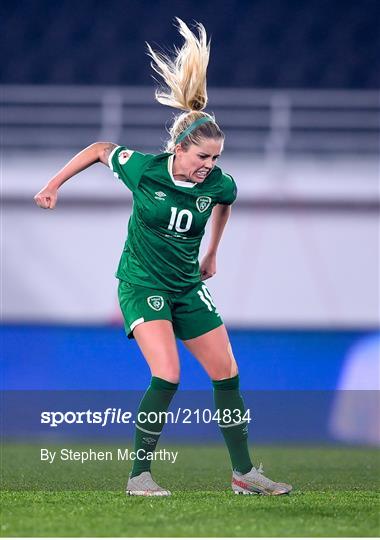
(161, 289)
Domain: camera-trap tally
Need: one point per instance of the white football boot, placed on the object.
(143, 485)
(255, 482)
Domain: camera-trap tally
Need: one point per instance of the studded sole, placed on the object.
(131, 493)
(241, 491)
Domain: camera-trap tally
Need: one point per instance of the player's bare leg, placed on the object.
(214, 352)
(157, 343)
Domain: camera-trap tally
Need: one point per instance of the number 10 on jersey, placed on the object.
(180, 221)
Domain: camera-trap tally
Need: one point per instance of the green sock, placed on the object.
(227, 397)
(156, 399)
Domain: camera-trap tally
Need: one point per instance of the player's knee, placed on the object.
(225, 367)
(172, 377)
(223, 372)
(233, 365)
(168, 373)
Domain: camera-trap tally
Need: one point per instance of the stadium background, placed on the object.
(295, 86)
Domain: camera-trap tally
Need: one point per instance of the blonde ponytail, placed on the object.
(185, 75)
(185, 80)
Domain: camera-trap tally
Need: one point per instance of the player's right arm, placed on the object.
(97, 152)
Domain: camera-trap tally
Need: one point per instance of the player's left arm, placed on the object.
(219, 218)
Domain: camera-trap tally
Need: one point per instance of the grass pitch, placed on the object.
(335, 494)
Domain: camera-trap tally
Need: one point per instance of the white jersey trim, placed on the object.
(136, 322)
(180, 183)
(111, 156)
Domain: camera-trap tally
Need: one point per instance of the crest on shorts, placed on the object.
(202, 203)
(155, 302)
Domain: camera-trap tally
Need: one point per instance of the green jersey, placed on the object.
(168, 219)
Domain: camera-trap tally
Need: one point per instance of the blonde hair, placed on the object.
(185, 80)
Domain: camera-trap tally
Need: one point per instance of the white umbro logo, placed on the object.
(160, 195)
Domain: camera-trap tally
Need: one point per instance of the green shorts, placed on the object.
(192, 311)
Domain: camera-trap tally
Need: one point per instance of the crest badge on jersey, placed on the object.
(155, 302)
(124, 156)
(202, 203)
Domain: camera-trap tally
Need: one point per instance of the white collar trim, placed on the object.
(180, 183)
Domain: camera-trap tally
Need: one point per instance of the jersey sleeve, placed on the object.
(229, 192)
(128, 165)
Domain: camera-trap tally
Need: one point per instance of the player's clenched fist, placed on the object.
(46, 198)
